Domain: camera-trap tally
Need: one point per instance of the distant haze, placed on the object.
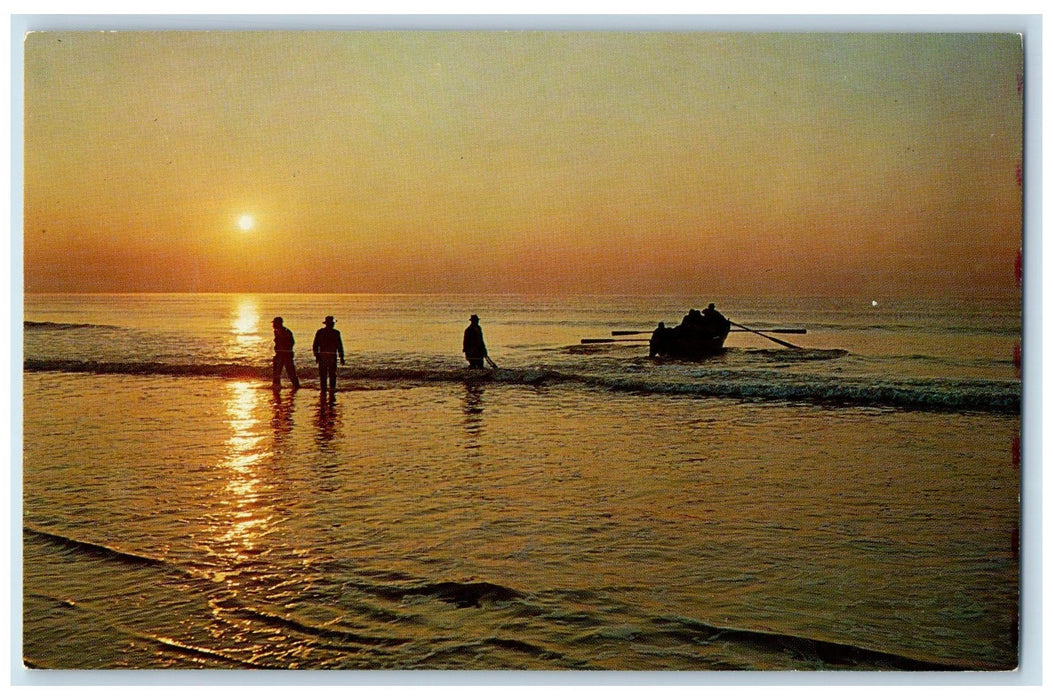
(486, 162)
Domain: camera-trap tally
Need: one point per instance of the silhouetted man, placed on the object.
(692, 319)
(659, 339)
(474, 347)
(715, 319)
(327, 345)
(283, 354)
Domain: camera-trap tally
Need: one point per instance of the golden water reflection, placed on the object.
(242, 514)
(245, 323)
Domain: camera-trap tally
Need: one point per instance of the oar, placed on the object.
(774, 340)
(490, 362)
(796, 331)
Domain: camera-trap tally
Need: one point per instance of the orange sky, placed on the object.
(694, 163)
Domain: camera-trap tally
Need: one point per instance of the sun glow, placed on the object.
(245, 322)
(246, 222)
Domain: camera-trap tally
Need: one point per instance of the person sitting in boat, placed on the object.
(692, 320)
(659, 339)
(715, 320)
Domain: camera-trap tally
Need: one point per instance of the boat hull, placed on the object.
(687, 343)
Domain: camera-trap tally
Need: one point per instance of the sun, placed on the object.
(246, 222)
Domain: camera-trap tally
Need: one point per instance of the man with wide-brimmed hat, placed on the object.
(473, 346)
(327, 346)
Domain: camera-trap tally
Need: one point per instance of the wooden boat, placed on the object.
(701, 334)
(688, 342)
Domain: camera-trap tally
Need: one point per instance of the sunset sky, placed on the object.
(522, 162)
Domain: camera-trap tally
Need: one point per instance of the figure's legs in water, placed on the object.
(276, 371)
(290, 367)
(327, 374)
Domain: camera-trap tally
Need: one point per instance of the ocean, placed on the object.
(853, 504)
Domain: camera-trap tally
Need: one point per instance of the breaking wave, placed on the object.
(362, 625)
(93, 549)
(816, 651)
(51, 326)
(919, 394)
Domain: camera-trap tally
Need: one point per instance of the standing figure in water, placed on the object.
(327, 345)
(474, 347)
(283, 354)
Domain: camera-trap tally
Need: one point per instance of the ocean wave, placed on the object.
(170, 647)
(94, 549)
(716, 382)
(816, 651)
(938, 395)
(252, 371)
(582, 620)
(53, 326)
(226, 370)
(331, 632)
(677, 633)
(460, 594)
(805, 355)
(463, 595)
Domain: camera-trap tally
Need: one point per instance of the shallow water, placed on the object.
(263, 527)
(574, 510)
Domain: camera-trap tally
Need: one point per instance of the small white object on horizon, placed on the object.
(873, 303)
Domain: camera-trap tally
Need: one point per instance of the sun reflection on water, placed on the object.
(245, 323)
(244, 519)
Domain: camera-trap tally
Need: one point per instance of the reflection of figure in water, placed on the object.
(328, 426)
(327, 345)
(283, 354)
(473, 400)
(282, 422)
(473, 410)
(474, 347)
(326, 420)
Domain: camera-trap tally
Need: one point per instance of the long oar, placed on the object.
(490, 362)
(793, 331)
(613, 340)
(774, 340)
(781, 331)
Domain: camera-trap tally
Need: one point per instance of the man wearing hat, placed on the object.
(327, 345)
(474, 347)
